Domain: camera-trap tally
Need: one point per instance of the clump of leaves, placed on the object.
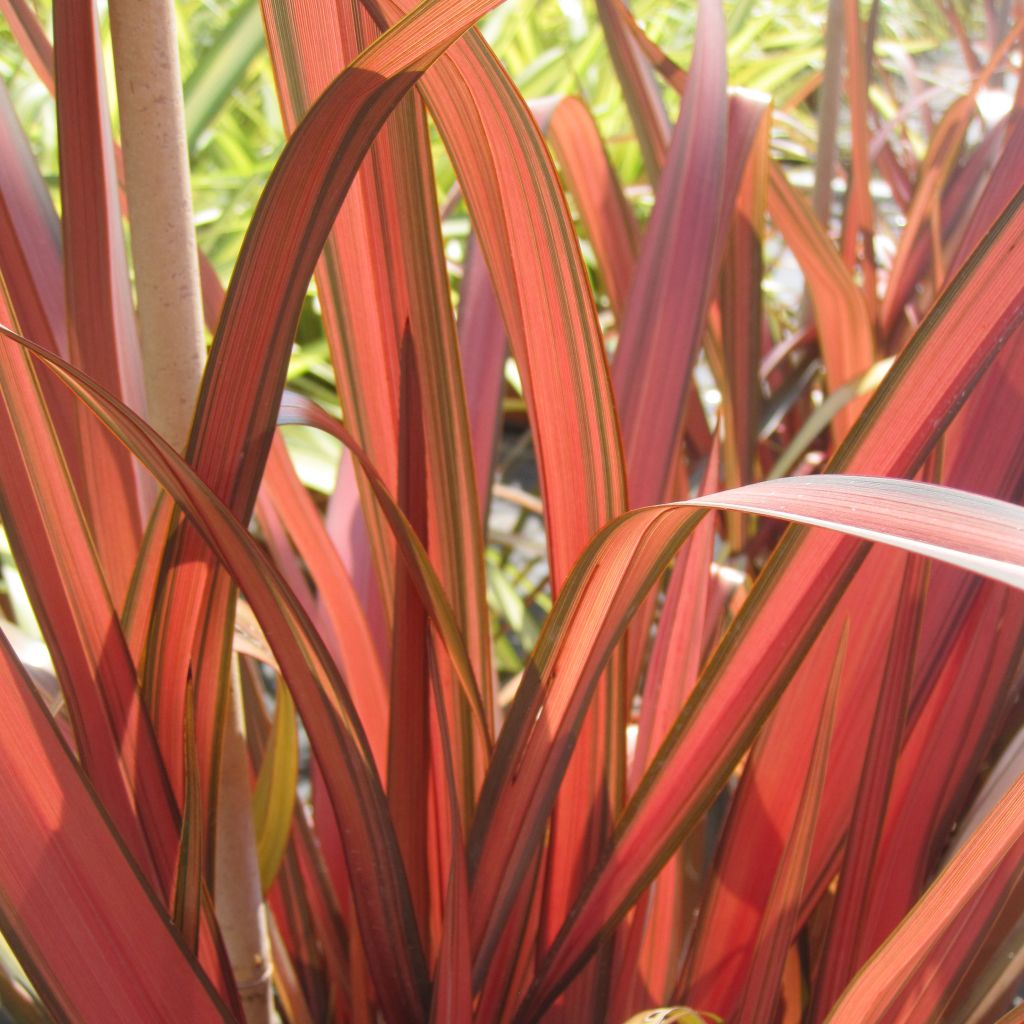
(745, 772)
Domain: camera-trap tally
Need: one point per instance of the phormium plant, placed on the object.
(681, 756)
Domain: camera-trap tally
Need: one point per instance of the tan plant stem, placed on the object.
(237, 894)
(156, 177)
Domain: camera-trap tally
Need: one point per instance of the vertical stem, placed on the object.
(165, 258)
(237, 892)
(156, 173)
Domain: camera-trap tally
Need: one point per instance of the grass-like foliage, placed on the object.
(653, 649)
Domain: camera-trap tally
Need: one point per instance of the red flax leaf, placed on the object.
(671, 288)
(969, 887)
(188, 884)
(411, 767)
(30, 246)
(844, 325)
(388, 242)
(296, 409)
(647, 958)
(607, 217)
(36, 47)
(845, 330)
(114, 736)
(922, 392)
(25, 27)
(764, 806)
(926, 206)
(965, 704)
(742, 321)
(982, 534)
(79, 621)
(337, 738)
(338, 600)
(675, 657)
(858, 227)
(760, 997)
(310, 43)
(979, 457)
(86, 928)
(646, 108)
(101, 321)
(521, 220)
(837, 963)
(594, 777)
(237, 407)
(483, 347)
(240, 395)
(665, 311)
(453, 991)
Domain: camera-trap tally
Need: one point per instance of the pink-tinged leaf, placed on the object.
(926, 209)
(101, 321)
(286, 983)
(980, 457)
(965, 705)
(402, 256)
(188, 884)
(619, 566)
(27, 30)
(763, 809)
(32, 268)
(639, 90)
(238, 402)
(87, 929)
(80, 623)
(742, 319)
(956, 904)
(298, 410)
(339, 743)
(648, 952)
(844, 325)
(1005, 179)
(828, 114)
(453, 991)
(411, 768)
(607, 219)
(346, 526)
(837, 963)
(594, 776)
(916, 251)
(30, 244)
(675, 657)
(949, 354)
(237, 407)
(338, 602)
(114, 736)
(845, 330)
(483, 346)
(521, 220)
(897, 508)
(671, 287)
(933, 995)
(310, 43)
(760, 997)
(858, 241)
